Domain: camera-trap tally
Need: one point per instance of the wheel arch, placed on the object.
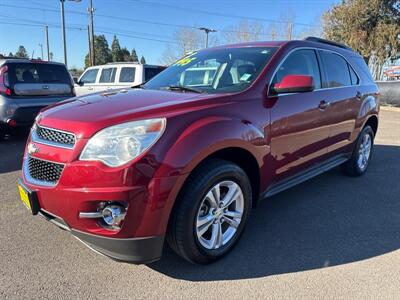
(373, 122)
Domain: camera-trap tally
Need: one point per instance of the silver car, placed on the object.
(26, 86)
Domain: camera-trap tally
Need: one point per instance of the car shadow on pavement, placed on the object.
(330, 220)
(11, 151)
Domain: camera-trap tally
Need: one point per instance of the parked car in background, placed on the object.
(187, 160)
(392, 73)
(114, 75)
(27, 86)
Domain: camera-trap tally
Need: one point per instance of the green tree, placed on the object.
(101, 51)
(10, 54)
(142, 60)
(126, 56)
(134, 56)
(21, 53)
(116, 51)
(371, 27)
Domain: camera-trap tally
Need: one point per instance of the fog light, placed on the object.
(113, 215)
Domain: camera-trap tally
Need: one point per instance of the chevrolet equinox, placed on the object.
(185, 156)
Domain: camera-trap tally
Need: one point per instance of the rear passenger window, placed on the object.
(337, 70)
(127, 74)
(353, 76)
(108, 75)
(300, 62)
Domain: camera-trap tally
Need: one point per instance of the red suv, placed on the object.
(187, 155)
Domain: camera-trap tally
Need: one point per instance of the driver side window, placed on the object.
(89, 76)
(300, 62)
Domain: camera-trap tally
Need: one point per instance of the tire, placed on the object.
(358, 165)
(187, 235)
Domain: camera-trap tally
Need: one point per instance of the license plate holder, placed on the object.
(29, 198)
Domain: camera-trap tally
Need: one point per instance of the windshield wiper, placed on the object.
(183, 88)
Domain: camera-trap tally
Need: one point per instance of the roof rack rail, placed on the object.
(319, 40)
(123, 63)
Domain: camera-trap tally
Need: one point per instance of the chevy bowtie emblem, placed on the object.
(32, 149)
(45, 87)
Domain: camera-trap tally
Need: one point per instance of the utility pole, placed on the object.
(290, 31)
(63, 32)
(63, 29)
(41, 49)
(207, 31)
(91, 11)
(46, 31)
(90, 47)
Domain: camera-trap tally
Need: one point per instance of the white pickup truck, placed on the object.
(113, 76)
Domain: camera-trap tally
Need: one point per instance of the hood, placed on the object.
(86, 115)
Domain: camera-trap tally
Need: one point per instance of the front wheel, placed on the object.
(211, 212)
(358, 163)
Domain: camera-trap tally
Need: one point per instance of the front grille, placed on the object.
(55, 136)
(44, 170)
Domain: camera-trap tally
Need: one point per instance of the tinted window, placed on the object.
(38, 73)
(362, 68)
(337, 70)
(353, 76)
(107, 75)
(149, 73)
(127, 74)
(300, 62)
(89, 76)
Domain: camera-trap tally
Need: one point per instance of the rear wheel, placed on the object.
(357, 165)
(211, 212)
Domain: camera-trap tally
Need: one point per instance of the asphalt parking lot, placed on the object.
(331, 237)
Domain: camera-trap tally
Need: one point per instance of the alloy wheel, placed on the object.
(364, 152)
(219, 215)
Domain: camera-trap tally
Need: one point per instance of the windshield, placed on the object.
(214, 71)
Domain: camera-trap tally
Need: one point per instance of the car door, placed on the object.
(106, 79)
(87, 82)
(343, 97)
(299, 122)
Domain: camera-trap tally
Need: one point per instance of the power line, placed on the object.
(146, 21)
(219, 14)
(100, 31)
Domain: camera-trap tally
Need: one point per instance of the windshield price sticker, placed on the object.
(186, 60)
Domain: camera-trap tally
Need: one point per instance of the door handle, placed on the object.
(90, 88)
(324, 105)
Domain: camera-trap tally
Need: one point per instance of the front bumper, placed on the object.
(141, 250)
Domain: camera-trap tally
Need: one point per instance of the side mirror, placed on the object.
(295, 84)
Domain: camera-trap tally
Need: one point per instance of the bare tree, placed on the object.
(184, 40)
(273, 32)
(287, 25)
(245, 31)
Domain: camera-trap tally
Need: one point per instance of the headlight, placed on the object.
(119, 144)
